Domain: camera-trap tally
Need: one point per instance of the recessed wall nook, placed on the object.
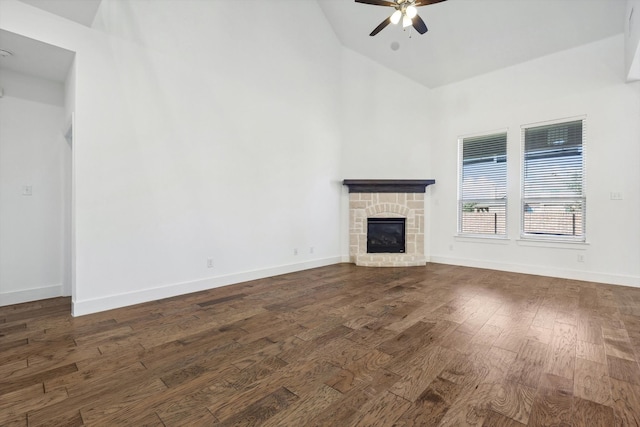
(375, 199)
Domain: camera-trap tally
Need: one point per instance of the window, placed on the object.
(483, 185)
(553, 202)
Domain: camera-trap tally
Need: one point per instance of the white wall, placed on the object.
(386, 120)
(198, 136)
(588, 80)
(632, 40)
(68, 272)
(32, 149)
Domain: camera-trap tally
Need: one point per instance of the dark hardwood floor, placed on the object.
(335, 346)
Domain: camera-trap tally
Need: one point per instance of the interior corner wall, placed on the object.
(386, 122)
(198, 138)
(386, 128)
(31, 155)
(585, 81)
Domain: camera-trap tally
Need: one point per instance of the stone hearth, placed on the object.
(387, 199)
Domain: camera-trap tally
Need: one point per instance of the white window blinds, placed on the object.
(483, 185)
(553, 183)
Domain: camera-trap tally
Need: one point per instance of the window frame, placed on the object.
(582, 199)
(461, 202)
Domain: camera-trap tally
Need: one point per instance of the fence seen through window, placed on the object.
(553, 202)
(483, 185)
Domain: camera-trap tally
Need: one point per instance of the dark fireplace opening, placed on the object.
(385, 235)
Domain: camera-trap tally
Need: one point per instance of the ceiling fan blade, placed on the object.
(381, 26)
(419, 24)
(378, 2)
(426, 2)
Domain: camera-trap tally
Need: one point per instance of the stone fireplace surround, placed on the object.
(387, 199)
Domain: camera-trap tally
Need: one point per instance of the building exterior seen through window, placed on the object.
(482, 201)
(554, 203)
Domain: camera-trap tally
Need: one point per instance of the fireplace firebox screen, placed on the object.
(385, 235)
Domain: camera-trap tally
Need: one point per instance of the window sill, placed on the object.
(558, 244)
(494, 240)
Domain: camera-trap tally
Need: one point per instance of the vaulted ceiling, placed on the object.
(465, 38)
(472, 37)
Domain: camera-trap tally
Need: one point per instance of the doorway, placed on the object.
(36, 170)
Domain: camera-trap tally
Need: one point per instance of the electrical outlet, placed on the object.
(580, 258)
(616, 195)
(209, 262)
(295, 251)
(27, 190)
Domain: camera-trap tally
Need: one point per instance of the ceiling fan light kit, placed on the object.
(405, 10)
(395, 18)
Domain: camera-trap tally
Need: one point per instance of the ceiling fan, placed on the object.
(405, 11)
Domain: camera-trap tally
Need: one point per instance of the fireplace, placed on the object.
(385, 235)
(395, 209)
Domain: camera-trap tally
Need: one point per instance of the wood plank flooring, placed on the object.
(334, 346)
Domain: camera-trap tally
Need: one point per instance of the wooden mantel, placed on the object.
(388, 185)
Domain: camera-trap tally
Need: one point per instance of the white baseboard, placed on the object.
(589, 276)
(80, 308)
(18, 297)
